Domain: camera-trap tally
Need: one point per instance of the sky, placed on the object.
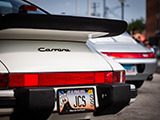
(133, 9)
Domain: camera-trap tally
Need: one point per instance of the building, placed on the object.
(153, 21)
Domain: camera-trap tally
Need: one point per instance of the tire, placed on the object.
(138, 84)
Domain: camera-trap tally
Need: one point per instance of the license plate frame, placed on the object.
(68, 99)
(130, 69)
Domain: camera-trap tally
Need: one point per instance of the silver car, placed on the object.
(139, 61)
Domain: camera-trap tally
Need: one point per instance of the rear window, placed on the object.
(12, 6)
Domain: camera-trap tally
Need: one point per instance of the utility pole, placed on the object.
(95, 5)
(122, 6)
(94, 8)
(89, 7)
(104, 9)
(77, 4)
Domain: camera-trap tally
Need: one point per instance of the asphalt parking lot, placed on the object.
(146, 106)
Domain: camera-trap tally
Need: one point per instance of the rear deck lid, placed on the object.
(50, 56)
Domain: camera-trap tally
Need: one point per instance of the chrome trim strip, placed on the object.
(6, 93)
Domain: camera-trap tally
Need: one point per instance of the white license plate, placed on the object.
(75, 100)
(130, 69)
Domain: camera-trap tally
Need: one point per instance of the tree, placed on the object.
(139, 23)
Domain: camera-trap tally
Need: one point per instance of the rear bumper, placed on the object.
(39, 103)
(145, 68)
(113, 98)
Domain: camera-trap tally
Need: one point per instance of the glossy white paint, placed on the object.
(23, 56)
(2, 68)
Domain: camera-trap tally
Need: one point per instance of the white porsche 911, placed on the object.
(48, 72)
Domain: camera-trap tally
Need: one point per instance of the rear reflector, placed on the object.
(60, 79)
(129, 55)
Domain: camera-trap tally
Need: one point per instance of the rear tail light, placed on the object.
(117, 77)
(30, 79)
(129, 55)
(104, 77)
(123, 76)
(3, 80)
(60, 79)
(16, 80)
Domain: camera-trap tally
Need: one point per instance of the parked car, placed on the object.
(48, 72)
(139, 61)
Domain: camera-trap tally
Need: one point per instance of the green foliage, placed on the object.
(139, 23)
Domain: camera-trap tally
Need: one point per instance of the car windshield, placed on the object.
(12, 6)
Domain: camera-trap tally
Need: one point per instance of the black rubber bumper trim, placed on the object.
(112, 98)
(6, 102)
(33, 103)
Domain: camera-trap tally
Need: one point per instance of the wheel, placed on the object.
(137, 83)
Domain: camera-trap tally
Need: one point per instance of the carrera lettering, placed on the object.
(43, 49)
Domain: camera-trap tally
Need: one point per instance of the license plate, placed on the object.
(130, 69)
(75, 100)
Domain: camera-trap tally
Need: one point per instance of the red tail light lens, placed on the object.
(3, 80)
(28, 8)
(108, 77)
(65, 78)
(123, 76)
(30, 79)
(58, 79)
(130, 55)
(16, 80)
(104, 77)
(117, 76)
